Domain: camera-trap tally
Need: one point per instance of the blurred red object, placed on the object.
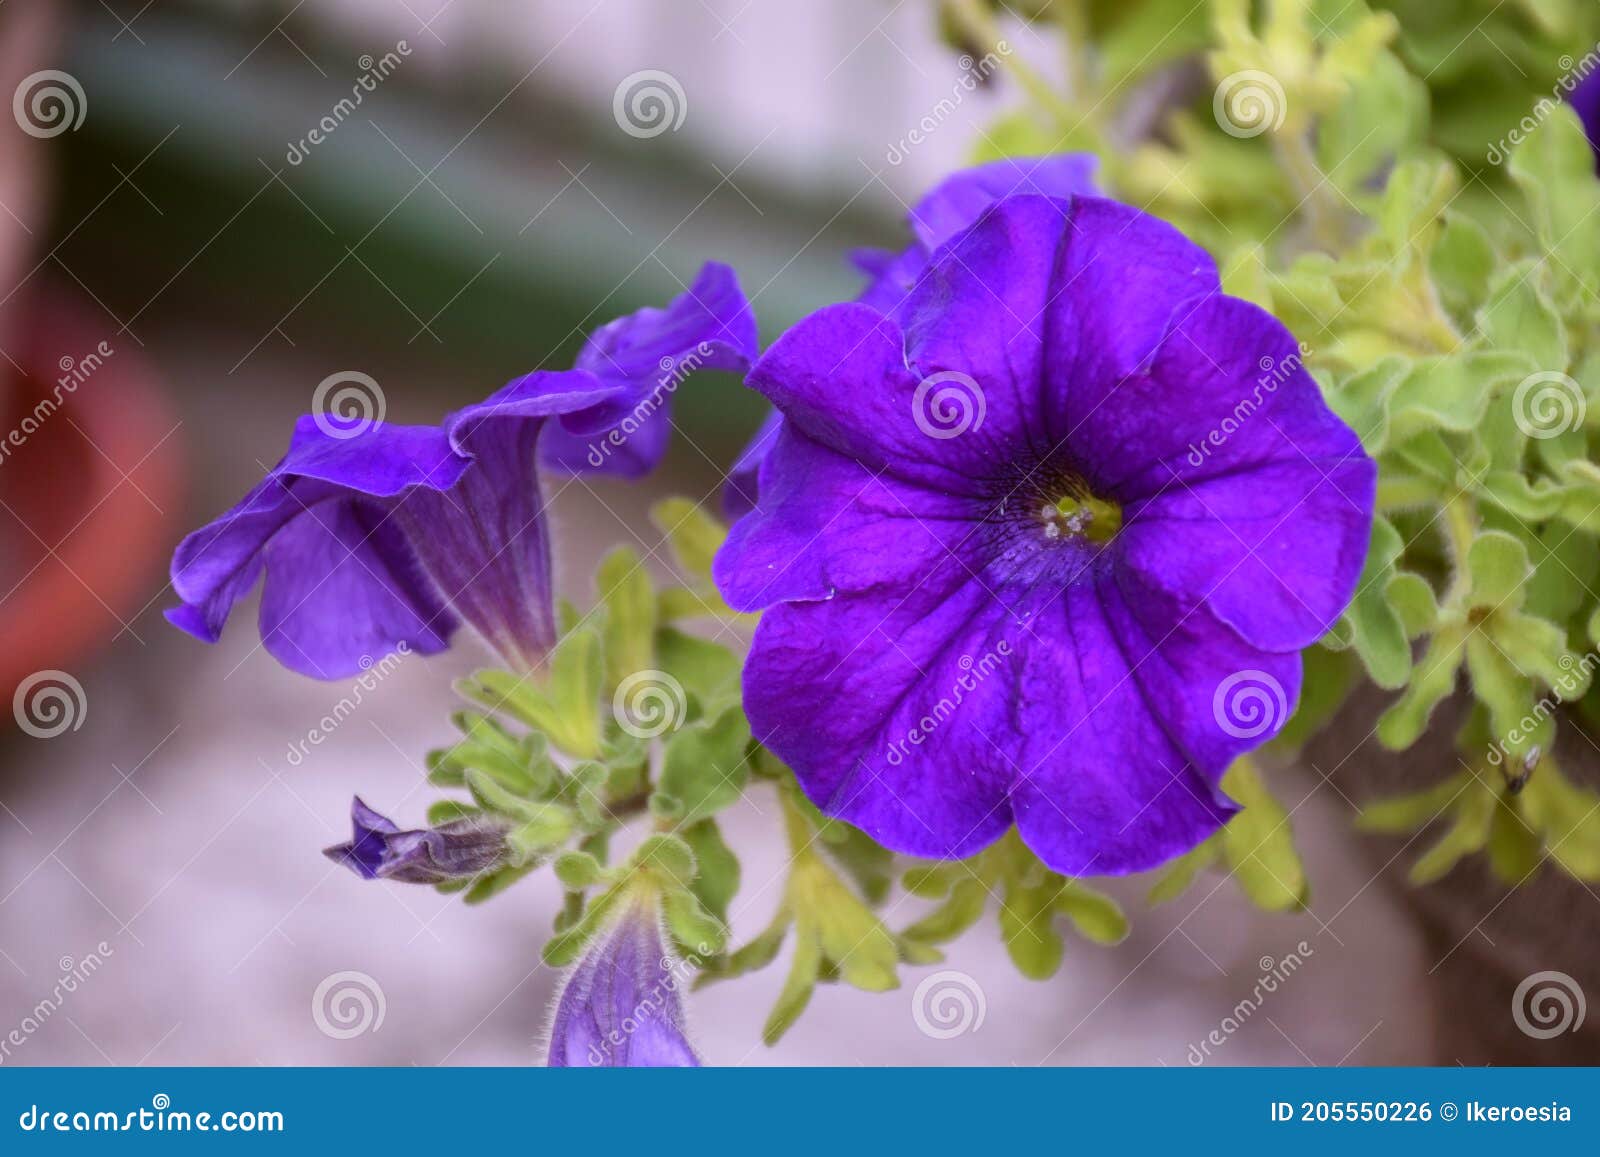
(88, 461)
(89, 478)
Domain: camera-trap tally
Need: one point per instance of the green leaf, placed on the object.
(963, 907)
(1095, 915)
(1499, 566)
(696, 929)
(716, 879)
(1432, 681)
(629, 623)
(1376, 629)
(1462, 262)
(837, 936)
(1519, 319)
(1180, 874)
(1258, 844)
(1555, 169)
(797, 989)
(708, 671)
(563, 704)
(706, 765)
(578, 871)
(693, 535)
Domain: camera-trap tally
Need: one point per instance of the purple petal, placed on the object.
(890, 275)
(344, 589)
(840, 377)
(827, 526)
(962, 198)
(1124, 281)
(950, 207)
(895, 709)
(645, 357)
(622, 1005)
(742, 489)
(330, 487)
(1103, 787)
(1268, 524)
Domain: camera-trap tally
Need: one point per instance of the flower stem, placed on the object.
(978, 23)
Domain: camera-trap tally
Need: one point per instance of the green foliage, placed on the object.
(629, 719)
(1032, 902)
(1401, 182)
(1415, 207)
(1520, 812)
(837, 936)
(1256, 847)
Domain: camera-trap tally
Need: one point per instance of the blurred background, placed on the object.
(182, 261)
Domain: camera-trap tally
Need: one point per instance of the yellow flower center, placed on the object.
(1082, 516)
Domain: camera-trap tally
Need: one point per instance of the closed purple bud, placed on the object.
(459, 850)
(622, 1005)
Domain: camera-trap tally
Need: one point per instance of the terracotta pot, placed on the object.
(89, 476)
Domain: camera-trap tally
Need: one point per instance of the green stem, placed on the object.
(977, 22)
(1460, 523)
(1323, 213)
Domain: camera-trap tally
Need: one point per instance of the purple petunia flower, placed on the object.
(459, 850)
(373, 536)
(622, 1005)
(949, 207)
(1032, 548)
(1586, 100)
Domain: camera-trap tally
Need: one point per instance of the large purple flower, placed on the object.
(622, 1005)
(375, 536)
(946, 209)
(1031, 547)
